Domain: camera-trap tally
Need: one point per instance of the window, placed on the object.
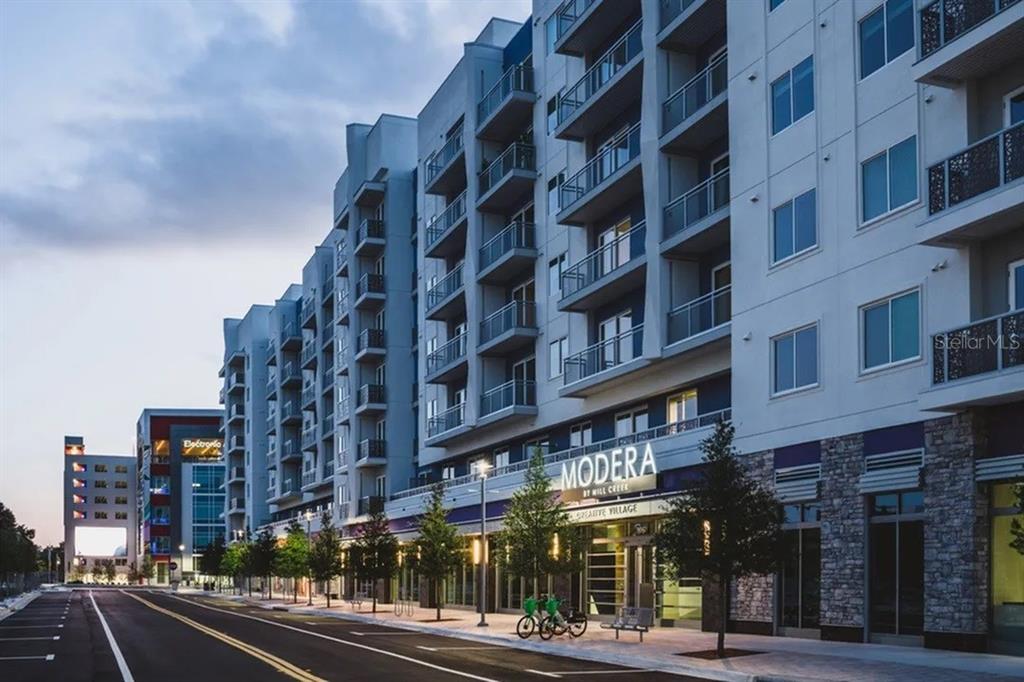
(121, 499)
(121, 484)
(772, 4)
(793, 95)
(553, 184)
(556, 266)
(99, 499)
(896, 563)
(79, 514)
(100, 515)
(501, 457)
(891, 330)
(885, 34)
(580, 435)
(100, 468)
(682, 407)
(800, 572)
(78, 483)
(79, 499)
(628, 423)
(100, 484)
(557, 350)
(551, 33)
(541, 444)
(553, 113)
(1013, 106)
(795, 360)
(889, 179)
(447, 473)
(1017, 285)
(794, 226)
(120, 469)
(78, 468)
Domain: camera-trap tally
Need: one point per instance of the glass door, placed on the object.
(1017, 284)
(613, 256)
(896, 565)
(640, 576)
(682, 407)
(721, 303)
(799, 593)
(616, 345)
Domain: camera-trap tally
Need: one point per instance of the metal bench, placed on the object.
(631, 619)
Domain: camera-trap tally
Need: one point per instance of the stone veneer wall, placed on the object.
(842, 539)
(751, 599)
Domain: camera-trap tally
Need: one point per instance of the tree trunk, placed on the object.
(295, 590)
(437, 598)
(270, 589)
(723, 605)
(374, 588)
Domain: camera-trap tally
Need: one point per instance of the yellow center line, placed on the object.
(279, 664)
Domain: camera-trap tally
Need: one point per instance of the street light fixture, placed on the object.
(482, 468)
(309, 521)
(181, 567)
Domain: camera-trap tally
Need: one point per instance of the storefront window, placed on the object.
(896, 564)
(800, 575)
(1007, 574)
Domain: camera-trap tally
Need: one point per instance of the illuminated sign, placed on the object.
(620, 471)
(201, 448)
(621, 510)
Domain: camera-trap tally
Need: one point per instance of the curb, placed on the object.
(18, 604)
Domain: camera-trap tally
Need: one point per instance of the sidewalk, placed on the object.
(782, 658)
(12, 605)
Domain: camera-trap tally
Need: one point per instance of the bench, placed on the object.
(631, 619)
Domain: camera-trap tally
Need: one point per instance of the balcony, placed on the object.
(290, 375)
(370, 345)
(369, 505)
(607, 89)
(585, 372)
(697, 114)
(370, 292)
(582, 25)
(236, 505)
(236, 475)
(445, 299)
(508, 179)
(977, 193)
(290, 413)
(370, 239)
(508, 253)
(236, 443)
(289, 488)
(327, 335)
(308, 356)
(445, 169)
(447, 425)
(341, 257)
(687, 25)
(371, 453)
(979, 364)
(236, 383)
(511, 327)
(343, 305)
(291, 450)
(309, 479)
(610, 178)
(308, 401)
(703, 320)
(447, 362)
(343, 358)
(271, 353)
(329, 469)
(961, 40)
(371, 399)
(327, 427)
(309, 438)
(327, 288)
(370, 193)
(291, 337)
(698, 221)
(308, 311)
(343, 410)
(446, 231)
(511, 399)
(236, 413)
(508, 106)
(272, 424)
(606, 273)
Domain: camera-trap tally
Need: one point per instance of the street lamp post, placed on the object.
(309, 547)
(483, 467)
(181, 567)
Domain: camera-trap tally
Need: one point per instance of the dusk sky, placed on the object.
(164, 165)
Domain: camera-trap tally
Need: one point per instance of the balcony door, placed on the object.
(613, 154)
(613, 255)
(682, 407)
(721, 279)
(616, 345)
(1017, 285)
(381, 486)
(380, 374)
(524, 293)
(1013, 108)
(524, 370)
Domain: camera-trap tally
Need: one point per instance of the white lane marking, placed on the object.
(48, 657)
(390, 634)
(122, 665)
(357, 645)
(31, 627)
(541, 672)
(562, 673)
(21, 618)
(457, 648)
(27, 639)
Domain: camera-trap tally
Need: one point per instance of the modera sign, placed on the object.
(621, 471)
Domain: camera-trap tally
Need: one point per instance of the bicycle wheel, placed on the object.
(577, 627)
(547, 628)
(525, 627)
(559, 626)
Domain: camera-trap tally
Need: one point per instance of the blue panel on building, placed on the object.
(795, 455)
(894, 439)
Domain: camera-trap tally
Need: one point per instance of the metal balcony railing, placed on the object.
(370, 338)
(308, 477)
(327, 289)
(451, 418)
(371, 393)
(604, 260)
(308, 351)
(602, 71)
(453, 350)
(289, 371)
(517, 78)
(289, 487)
(945, 20)
(511, 315)
(237, 411)
(517, 235)
(440, 159)
(327, 425)
(985, 165)
(237, 442)
(237, 473)
(604, 355)
(451, 283)
(237, 503)
(370, 283)
(371, 447)
(619, 152)
(517, 156)
(289, 331)
(699, 315)
(695, 93)
(236, 379)
(329, 467)
(567, 14)
(308, 437)
(308, 307)
(370, 228)
(670, 9)
(990, 345)
(697, 203)
(341, 254)
(327, 335)
(271, 422)
(509, 394)
(370, 505)
(440, 223)
(343, 408)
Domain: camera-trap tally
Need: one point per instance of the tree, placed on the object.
(133, 577)
(292, 559)
(1016, 527)
(438, 546)
(376, 551)
(211, 558)
(264, 555)
(234, 562)
(148, 569)
(109, 571)
(727, 527)
(538, 539)
(18, 553)
(325, 554)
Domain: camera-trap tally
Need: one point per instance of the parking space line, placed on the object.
(31, 627)
(457, 648)
(383, 634)
(563, 673)
(47, 657)
(27, 639)
(122, 665)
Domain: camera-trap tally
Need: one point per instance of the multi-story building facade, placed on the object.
(582, 289)
(181, 481)
(99, 513)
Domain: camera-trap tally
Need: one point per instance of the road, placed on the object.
(159, 636)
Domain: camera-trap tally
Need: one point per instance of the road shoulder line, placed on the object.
(122, 665)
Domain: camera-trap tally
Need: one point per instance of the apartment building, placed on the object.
(244, 424)
(99, 513)
(638, 217)
(181, 485)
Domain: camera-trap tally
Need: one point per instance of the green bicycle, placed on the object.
(557, 623)
(531, 621)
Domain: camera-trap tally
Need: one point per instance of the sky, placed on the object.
(164, 165)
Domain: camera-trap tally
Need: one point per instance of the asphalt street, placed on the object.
(160, 636)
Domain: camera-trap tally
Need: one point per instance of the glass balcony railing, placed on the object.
(990, 345)
(327, 288)
(612, 157)
(567, 14)
(450, 352)
(517, 156)
(509, 394)
(946, 20)
(518, 78)
(451, 418)
(510, 316)
(695, 93)
(604, 260)
(516, 235)
(603, 70)
(604, 355)
(308, 437)
(451, 283)
(994, 161)
(700, 315)
(440, 223)
(440, 159)
(697, 203)
(670, 9)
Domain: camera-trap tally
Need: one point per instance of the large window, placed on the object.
(794, 226)
(553, 193)
(896, 563)
(1007, 573)
(795, 360)
(628, 423)
(889, 179)
(1017, 285)
(580, 435)
(556, 266)
(891, 330)
(557, 350)
(799, 597)
(793, 95)
(885, 34)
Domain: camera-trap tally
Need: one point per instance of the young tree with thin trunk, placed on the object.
(147, 570)
(264, 553)
(325, 554)
(109, 571)
(438, 548)
(376, 552)
(211, 558)
(234, 563)
(726, 527)
(293, 557)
